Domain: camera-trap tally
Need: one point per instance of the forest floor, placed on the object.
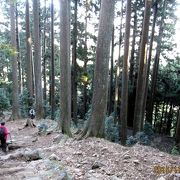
(54, 156)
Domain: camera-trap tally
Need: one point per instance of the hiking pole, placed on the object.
(10, 138)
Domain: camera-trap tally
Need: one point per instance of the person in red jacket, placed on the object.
(3, 136)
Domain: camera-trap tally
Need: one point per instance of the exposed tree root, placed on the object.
(84, 134)
(29, 123)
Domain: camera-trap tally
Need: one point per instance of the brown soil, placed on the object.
(92, 158)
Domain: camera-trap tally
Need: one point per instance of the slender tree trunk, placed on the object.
(178, 128)
(147, 67)
(166, 112)
(111, 75)
(65, 76)
(37, 62)
(169, 120)
(18, 55)
(155, 119)
(95, 126)
(162, 116)
(124, 91)
(85, 63)
(29, 55)
(132, 71)
(74, 66)
(132, 60)
(156, 113)
(156, 67)
(116, 100)
(44, 55)
(52, 63)
(15, 95)
(141, 73)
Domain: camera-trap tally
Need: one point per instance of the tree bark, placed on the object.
(29, 68)
(132, 60)
(178, 128)
(37, 62)
(95, 125)
(117, 96)
(111, 75)
(65, 75)
(15, 94)
(85, 62)
(18, 55)
(147, 67)
(74, 66)
(52, 63)
(141, 72)
(162, 116)
(124, 91)
(44, 54)
(156, 67)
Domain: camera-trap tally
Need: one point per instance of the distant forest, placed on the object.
(103, 65)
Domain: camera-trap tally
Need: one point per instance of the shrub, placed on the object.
(144, 137)
(148, 130)
(57, 115)
(25, 101)
(175, 151)
(4, 102)
(111, 129)
(47, 109)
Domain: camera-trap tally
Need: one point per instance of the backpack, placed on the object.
(32, 112)
(1, 132)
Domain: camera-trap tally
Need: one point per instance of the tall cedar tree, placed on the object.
(29, 69)
(15, 95)
(20, 83)
(65, 69)
(74, 65)
(110, 104)
(85, 60)
(124, 91)
(156, 67)
(138, 116)
(95, 125)
(116, 96)
(37, 62)
(52, 63)
(44, 53)
(147, 67)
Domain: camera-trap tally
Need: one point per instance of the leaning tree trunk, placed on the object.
(141, 72)
(15, 100)
(37, 62)
(65, 69)
(95, 125)
(124, 91)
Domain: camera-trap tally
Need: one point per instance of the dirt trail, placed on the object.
(89, 159)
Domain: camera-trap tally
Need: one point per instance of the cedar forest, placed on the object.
(102, 66)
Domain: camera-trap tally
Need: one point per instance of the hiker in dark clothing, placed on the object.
(3, 136)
